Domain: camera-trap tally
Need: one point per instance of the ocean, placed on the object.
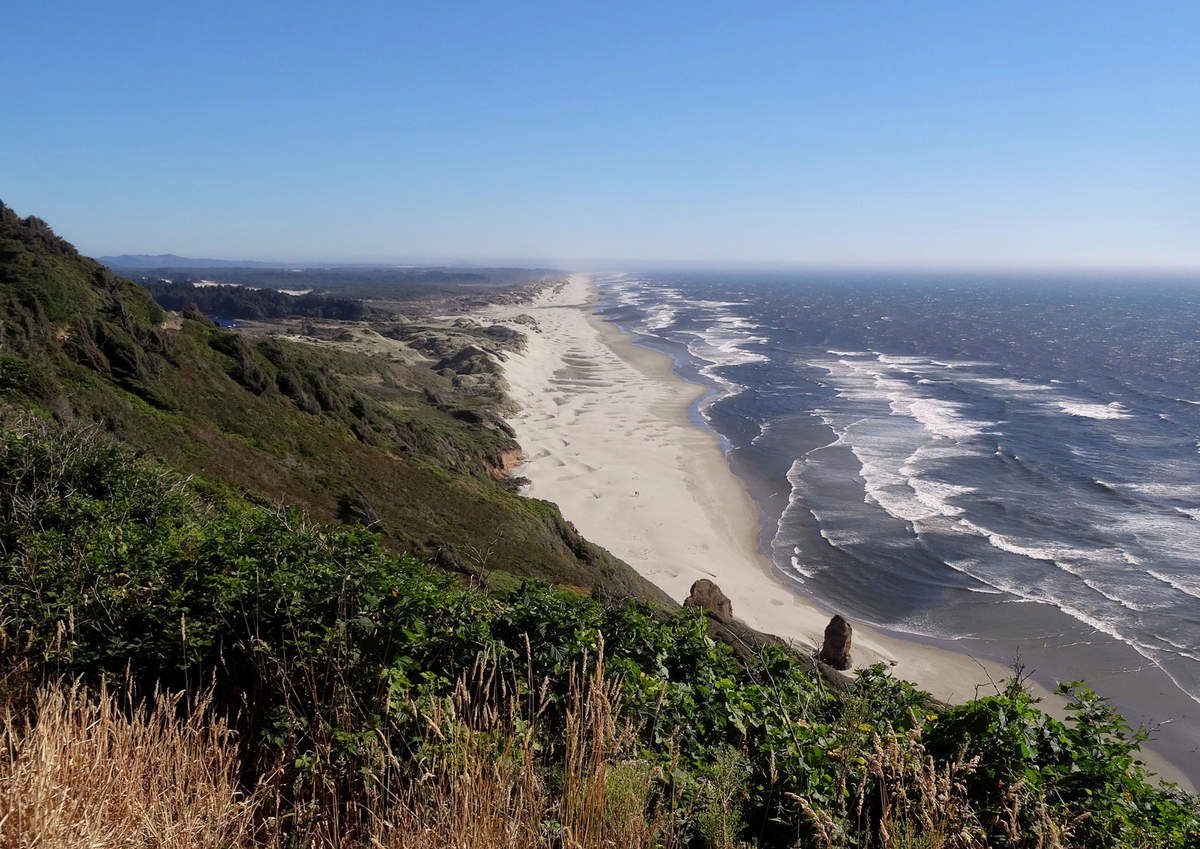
(1008, 465)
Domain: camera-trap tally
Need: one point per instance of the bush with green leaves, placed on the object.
(315, 636)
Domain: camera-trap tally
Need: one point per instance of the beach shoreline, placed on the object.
(607, 433)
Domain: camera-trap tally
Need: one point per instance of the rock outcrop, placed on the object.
(835, 648)
(708, 596)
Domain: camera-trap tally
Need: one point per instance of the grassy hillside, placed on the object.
(400, 447)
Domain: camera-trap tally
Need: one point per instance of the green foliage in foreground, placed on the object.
(111, 567)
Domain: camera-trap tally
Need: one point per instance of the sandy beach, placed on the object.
(606, 435)
(605, 431)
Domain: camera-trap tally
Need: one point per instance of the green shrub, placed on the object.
(317, 640)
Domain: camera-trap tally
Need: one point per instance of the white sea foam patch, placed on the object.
(802, 568)
(1101, 412)
(1034, 593)
(937, 495)
(899, 360)
(837, 353)
(1103, 570)
(922, 502)
(939, 417)
(1013, 385)
(764, 428)
(660, 317)
(961, 363)
(1180, 583)
(841, 538)
(858, 380)
(1034, 549)
(1164, 490)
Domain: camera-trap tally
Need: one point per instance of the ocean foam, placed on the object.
(1177, 583)
(942, 418)
(1100, 412)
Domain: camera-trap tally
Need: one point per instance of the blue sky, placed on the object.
(825, 133)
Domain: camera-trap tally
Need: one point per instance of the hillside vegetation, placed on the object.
(197, 654)
(355, 693)
(405, 448)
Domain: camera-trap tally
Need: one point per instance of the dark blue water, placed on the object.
(1010, 464)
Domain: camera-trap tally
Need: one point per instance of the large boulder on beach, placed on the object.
(835, 648)
(708, 596)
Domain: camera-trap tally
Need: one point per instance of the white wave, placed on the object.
(1101, 412)
(933, 451)
(956, 364)
(1184, 651)
(1034, 549)
(941, 418)
(763, 429)
(1009, 384)
(1164, 490)
(898, 360)
(841, 538)
(1182, 585)
(849, 353)
(1086, 565)
(804, 570)
(936, 495)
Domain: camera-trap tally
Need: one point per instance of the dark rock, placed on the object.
(835, 648)
(469, 416)
(353, 507)
(708, 596)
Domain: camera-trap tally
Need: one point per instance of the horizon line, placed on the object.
(645, 264)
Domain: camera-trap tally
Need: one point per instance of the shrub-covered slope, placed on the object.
(353, 678)
(340, 435)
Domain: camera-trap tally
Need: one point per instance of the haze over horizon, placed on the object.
(776, 135)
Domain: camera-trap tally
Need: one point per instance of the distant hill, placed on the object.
(127, 261)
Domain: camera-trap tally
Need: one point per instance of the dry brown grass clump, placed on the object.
(902, 800)
(85, 771)
(483, 781)
(82, 769)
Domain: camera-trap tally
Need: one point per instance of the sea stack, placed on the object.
(835, 649)
(708, 596)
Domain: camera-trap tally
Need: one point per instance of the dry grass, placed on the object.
(482, 784)
(86, 771)
(920, 803)
(80, 768)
